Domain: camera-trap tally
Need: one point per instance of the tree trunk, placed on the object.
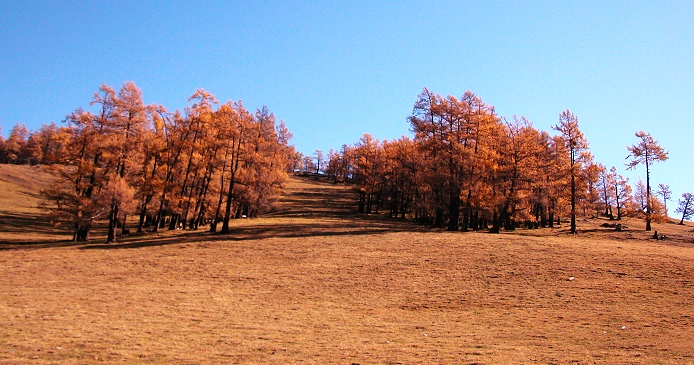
(573, 203)
(648, 197)
(454, 211)
(112, 223)
(438, 219)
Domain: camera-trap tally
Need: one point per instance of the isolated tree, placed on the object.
(646, 152)
(575, 143)
(665, 192)
(686, 207)
(318, 155)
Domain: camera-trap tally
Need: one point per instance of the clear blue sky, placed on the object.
(336, 70)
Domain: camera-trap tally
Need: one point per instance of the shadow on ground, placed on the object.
(321, 208)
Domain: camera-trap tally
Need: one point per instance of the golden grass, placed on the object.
(313, 284)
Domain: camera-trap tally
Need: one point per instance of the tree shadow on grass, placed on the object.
(263, 232)
(323, 210)
(25, 230)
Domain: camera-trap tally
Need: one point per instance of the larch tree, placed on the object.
(125, 135)
(686, 207)
(152, 165)
(575, 144)
(646, 152)
(318, 155)
(621, 191)
(88, 171)
(367, 160)
(15, 145)
(665, 193)
(605, 183)
(238, 149)
(515, 168)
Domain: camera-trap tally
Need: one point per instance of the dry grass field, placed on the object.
(316, 284)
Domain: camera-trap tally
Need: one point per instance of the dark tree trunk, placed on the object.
(573, 203)
(438, 218)
(112, 223)
(453, 211)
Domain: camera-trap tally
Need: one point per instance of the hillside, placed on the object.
(21, 219)
(315, 283)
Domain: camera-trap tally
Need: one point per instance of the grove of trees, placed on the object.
(469, 169)
(167, 169)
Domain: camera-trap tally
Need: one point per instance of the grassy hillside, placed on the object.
(21, 218)
(314, 283)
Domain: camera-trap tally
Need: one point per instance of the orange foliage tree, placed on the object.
(646, 152)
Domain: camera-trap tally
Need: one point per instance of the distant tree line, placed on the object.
(167, 169)
(469, 169)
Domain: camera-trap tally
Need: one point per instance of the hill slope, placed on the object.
(315, 284)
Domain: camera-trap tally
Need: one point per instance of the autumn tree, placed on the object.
(15, 145)
(81, 176)
(575, 144)
(644, 205)
(367, 161)
(620, 191)
(605, 184)
(151, 167)
(402, 175)
(307, 163)
(646, 152)
(238, 122)
(589, 191)
(665, 193)
(516, 167)
(124, 129)
(318, 155)
(686, 207)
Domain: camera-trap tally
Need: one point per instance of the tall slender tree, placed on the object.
(646, 152)
(686, 206)
(665, 193)
(575, 144)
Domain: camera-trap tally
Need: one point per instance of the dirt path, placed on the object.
(313, 283)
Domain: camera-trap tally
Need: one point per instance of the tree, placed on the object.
(646, 152)
(621, 190)
(318, 154)
(643, 205)
(574, 143)
(686, 206)
(515, 167)
(665, 193)
(605, 183)
(15, 144)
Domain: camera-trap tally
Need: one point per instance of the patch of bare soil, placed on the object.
(315, 283)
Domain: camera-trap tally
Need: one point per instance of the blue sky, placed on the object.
(336, 70)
